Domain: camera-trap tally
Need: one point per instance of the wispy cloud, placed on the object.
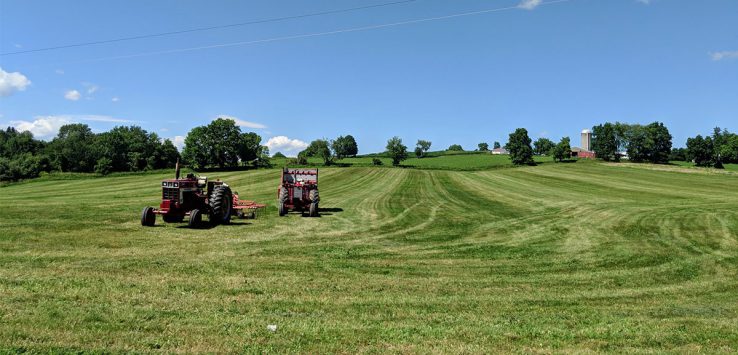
(285, 145)
(59, 71)
(72, 95)
(529, 4)
(242, 123)
(10, 83)
(723, 55)
(115, 99)
(90, 88)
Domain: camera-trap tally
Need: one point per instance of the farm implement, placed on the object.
(298, 191)
(194, 196)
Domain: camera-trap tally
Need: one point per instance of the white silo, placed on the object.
(586, 140)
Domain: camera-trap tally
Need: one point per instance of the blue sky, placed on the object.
(553, 68)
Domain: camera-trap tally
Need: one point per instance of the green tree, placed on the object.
(659, 140)
(396, 150)
(455, 148)
(518, 145)
(605, 142)
(701, 151)
(73, 148)
(483, 147)
(496, 145)
(678, 154)
(543, 146)
(562, 150)
(345, 146)
(278, 155)
(319, 148)
(422, 147)
(221, 143)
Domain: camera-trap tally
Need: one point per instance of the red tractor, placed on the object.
(195, 196)
(299, 191)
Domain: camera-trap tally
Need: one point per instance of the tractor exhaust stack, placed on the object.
(176, 170)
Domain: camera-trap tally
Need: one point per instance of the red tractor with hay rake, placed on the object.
(299, 191)
(194, 196)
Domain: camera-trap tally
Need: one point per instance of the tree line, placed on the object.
(77, 149)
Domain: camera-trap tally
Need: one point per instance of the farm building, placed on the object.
(586, 150)
(499, 151)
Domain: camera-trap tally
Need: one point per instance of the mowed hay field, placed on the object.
(554, 258)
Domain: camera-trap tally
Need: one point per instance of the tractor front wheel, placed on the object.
(148, 218)
(195, 219)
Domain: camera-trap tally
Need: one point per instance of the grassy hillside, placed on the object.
(559, 257)
(468, 161)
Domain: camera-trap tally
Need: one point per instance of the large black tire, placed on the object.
(221, 205)
(148, 218)
(314, 200)
(283, 196)
(195, 219)
(172, 219)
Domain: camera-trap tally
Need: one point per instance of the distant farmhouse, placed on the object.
(499, 151)
(585, 151)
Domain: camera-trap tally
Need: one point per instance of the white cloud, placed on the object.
(59, 71)
(164, 129)
(42, 126)
(724, 55)
(288, 147)
(72, 95)
(12, 82)
(242, 123)
(115, 99)
(644, 1)
(46, 127)
(529, 4)
(178, 142)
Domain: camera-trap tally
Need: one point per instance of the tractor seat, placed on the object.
(202, 181)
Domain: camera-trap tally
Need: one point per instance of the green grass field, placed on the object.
(555, 258)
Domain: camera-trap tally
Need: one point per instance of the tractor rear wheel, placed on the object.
(314, 200)
(195, 219)
(283, 196)
(148, 218)
(221, 205)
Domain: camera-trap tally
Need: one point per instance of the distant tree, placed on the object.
(278, 155)
(638, 144)
(543, 146)
(72, 149)
(562, 150)
(483, 147)
(455, 148)
(422, 147)
(701, 151)
(263, 159)
(319, 148)
(345, 147)
(221, 143)
(376, 161)
(518, 146)
(496, 145)
(605, 142)
(659, 139)
(396, 150)
(678, 154)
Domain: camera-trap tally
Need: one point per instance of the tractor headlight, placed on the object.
(164, 184)
(176, 184)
